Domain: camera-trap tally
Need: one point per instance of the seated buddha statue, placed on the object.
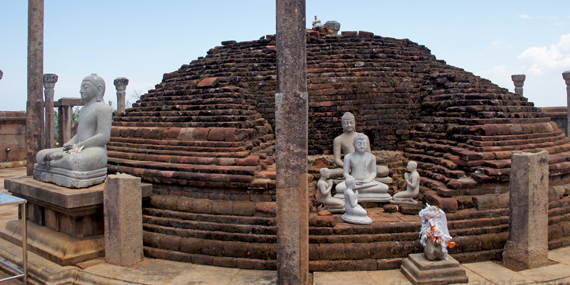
(82, 161)
(361, 165)
(343, 145)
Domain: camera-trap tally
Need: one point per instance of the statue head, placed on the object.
(325, 173)
(93, 86)
(361, 142)
(412, 165)
(350, 182)
(348, 122)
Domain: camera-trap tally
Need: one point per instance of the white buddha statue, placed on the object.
(412, 186)
(361, 165)
(82, 161)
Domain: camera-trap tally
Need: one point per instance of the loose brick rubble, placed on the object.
(204, 138)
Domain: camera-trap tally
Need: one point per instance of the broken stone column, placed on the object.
(35, 103)
(518, 80)
(566, 76)
(291, 126)
(49, 84)
(64, 123)
(527, 246)
(121, 85)
(123, 219)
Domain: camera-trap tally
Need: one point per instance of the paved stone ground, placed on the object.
(156, 271)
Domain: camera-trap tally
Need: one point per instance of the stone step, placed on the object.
(238, 173)
(199, 109)
(158, 123)
(148, 172)
(193, 151)
(135, 138)
(508, 137)
(195, 115)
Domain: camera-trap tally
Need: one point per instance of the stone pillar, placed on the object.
(35, 103)
(121, 85)
(518, 80)
(527, 246)
(566, 76)
(291, 125)
(49, 84)
(123, 219)
(64, 123)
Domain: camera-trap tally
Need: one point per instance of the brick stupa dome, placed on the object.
(204, 138)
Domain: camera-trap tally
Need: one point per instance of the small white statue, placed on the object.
(354, 213)
(325, 185)
(434, 235)
(412, 187)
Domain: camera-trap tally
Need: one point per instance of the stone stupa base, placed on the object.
(421, 271)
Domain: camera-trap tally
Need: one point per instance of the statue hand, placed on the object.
(56, 155)
(406, 175)
(67, 147)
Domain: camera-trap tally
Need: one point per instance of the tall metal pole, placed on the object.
(291, 126)
(35, 103)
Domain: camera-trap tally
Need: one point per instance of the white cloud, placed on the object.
(540, 60)
(529, 17)
(500, 75)
(524, 16)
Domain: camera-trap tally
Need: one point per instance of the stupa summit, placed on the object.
(204, 138)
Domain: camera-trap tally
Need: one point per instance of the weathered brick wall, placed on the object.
(558, 115)
(12, 135)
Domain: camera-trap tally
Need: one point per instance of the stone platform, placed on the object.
(421, 271)
(65, 225)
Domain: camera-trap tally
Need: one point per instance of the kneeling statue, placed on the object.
(82, 161)
(325, 184)
(412, 186)
(354, 213)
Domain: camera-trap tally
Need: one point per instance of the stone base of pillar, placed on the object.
(55, 246)
(65, 225)
(421, 271)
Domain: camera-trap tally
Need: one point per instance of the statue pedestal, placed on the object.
(66, 225)
(69, 178)
(420, 271)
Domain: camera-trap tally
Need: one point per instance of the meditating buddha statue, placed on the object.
(343, 145)
(82, 161)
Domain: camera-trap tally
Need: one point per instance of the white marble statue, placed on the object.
(354, 213)
(434, 235)
(412, 186)
(325, 184)
(82, 161)
(361, 165)
(344, 145)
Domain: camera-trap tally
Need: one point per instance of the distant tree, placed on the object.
(135, 96)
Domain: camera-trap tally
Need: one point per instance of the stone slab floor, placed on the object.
(156, 271)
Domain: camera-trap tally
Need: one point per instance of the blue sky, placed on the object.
(142, 39)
